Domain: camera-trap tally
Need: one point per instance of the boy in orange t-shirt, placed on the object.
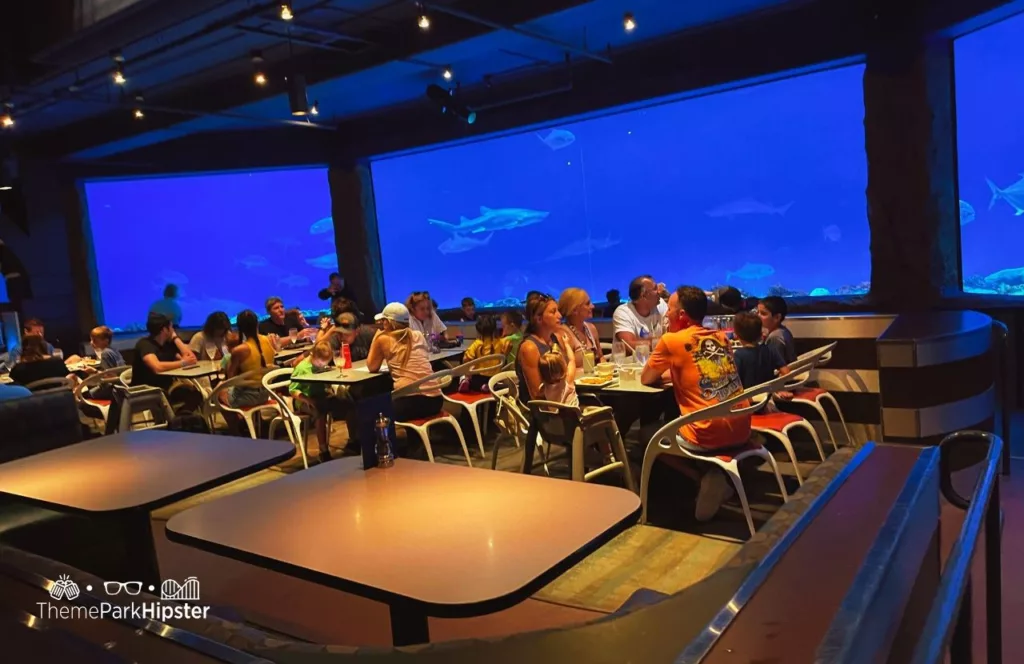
(700, 364)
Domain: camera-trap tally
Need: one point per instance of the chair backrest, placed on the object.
(212, 403)
(107, 377)
(802, 368)
(277, 379)
(50, 384)
(556, 422)
(508, 416)
(273, 382)
(479, 365)
(734, 406)
(504, 383)
(126, 377)
(435, 381)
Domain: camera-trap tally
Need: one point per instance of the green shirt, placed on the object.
(309, 390)
(514, 340)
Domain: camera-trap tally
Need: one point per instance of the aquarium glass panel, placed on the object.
(990, 143)
(760, 187)
(227, 240)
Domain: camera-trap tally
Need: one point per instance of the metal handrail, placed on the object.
(949, 623)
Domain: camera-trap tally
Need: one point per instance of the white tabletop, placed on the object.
(406, 532)
(197, 370)
(359, 372)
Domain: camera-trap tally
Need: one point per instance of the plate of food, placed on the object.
(596, 381)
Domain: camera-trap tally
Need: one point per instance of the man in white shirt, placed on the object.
(641, 317)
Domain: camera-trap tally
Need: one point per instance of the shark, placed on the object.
(556, 139)
(1014, 195)
(251, 261)
(458, 244)
(584, 247)
(324, 225)
(293, 280)
(747, 206)
(493, 219)
(751, 272)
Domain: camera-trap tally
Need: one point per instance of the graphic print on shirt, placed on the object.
(719, 379)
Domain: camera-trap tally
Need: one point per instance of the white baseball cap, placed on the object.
(395, 311)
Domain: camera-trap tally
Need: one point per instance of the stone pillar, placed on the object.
(911, 149)
(355, 233)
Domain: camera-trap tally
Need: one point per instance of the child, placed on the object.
(772, 311)
(486, 343)
(313, 398)
(512, 333)
(554, 372)
(756, 362)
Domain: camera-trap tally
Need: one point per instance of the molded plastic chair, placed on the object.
(294, 424)
(509, 417)
(816, 397)
(51, 384)
(668, 440)
(471, 402)
(109, 377)
(147, 402)
(212, 402)
(576, 429)
(435, 381)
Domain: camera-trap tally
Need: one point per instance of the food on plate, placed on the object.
(594, 380)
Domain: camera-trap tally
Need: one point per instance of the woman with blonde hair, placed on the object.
(405, 351)
(576, 309)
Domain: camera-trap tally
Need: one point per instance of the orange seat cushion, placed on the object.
(470, 397)
(98, 402)
(808, 393)
(773, 421)
(424, 420)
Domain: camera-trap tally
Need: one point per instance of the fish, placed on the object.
(1014, 195)
(584, 247)
(832, 233)
(747, 206)
(293, 280)
(172, 277)
(966, 213)
(751, 272)
(251, 261)
(325, 262)
(458, 244)
(498, 219)
(818, 292)
(324, 225)
(556, 139)
(1013, 276)
(286, 242)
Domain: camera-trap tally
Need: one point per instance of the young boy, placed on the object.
(100, 338)
(756, 363)
(313, 398)
(772, 311)
(512, 333)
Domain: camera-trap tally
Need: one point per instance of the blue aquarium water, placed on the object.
(760, 187)
(227, 240)
(990, 142)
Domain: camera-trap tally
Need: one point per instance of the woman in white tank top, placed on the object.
(408, 359)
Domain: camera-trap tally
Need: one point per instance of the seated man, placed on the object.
(347, 329)
(31, 326)
(699, 362)
(163, 350)
(275, 323)
(641, 317)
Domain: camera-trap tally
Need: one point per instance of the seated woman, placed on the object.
(294, 318)
(544, 332)
(210, 343)
(405, 351)
(35, 364)
(423, 315)
(576, 308)
(253, 353)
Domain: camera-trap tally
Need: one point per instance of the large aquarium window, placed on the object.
(760, 187)
(990, 143)
(227, 241)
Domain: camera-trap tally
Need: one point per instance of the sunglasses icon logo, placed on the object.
(129, 587)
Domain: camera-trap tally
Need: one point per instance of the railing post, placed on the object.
(994, 578)
(961, 644)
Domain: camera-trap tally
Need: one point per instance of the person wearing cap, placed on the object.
(408, 358)
(346, 328)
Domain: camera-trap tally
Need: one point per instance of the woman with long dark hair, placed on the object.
(544, 332)
(253, 353)
(35, 364)
(210, 343)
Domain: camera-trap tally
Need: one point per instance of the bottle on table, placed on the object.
(384, 448)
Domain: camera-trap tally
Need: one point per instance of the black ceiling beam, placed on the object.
(404, 42)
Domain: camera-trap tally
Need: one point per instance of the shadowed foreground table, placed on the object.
(426, 539)
(114, 482)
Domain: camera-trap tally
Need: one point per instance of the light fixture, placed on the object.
(286, 11)
(257, 66)
(315, 108)
(137, 112)
(118, 74)
(6, 187)
(7, 119)
(297, 100)
(422, 19)
(450, 104)
(628, 22)
(447, 73)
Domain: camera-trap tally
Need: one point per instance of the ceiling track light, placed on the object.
(118, 73)
(422, 20)
(315, 108)
(447, 74)
(137, 112)
(7, 117)
(258, 76)
(286, 11)
(298, 102)
(450, 104)
(628, 22)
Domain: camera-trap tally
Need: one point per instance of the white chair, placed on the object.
(213, 404)
(509, 417)
(578, 430)
(473, 403)
(294, 424)
(815, 397)
(62, 382)
(109, 377)
(668, 440)
(126, 377)
(433, 382)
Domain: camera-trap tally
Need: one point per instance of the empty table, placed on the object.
(426, 539)
(116, 481)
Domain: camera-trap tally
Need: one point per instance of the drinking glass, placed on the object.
(642, 351)
(58, 353)
(211, 350)
(293, 334)
(618, 353)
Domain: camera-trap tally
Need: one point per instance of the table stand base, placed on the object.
(408, 626)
